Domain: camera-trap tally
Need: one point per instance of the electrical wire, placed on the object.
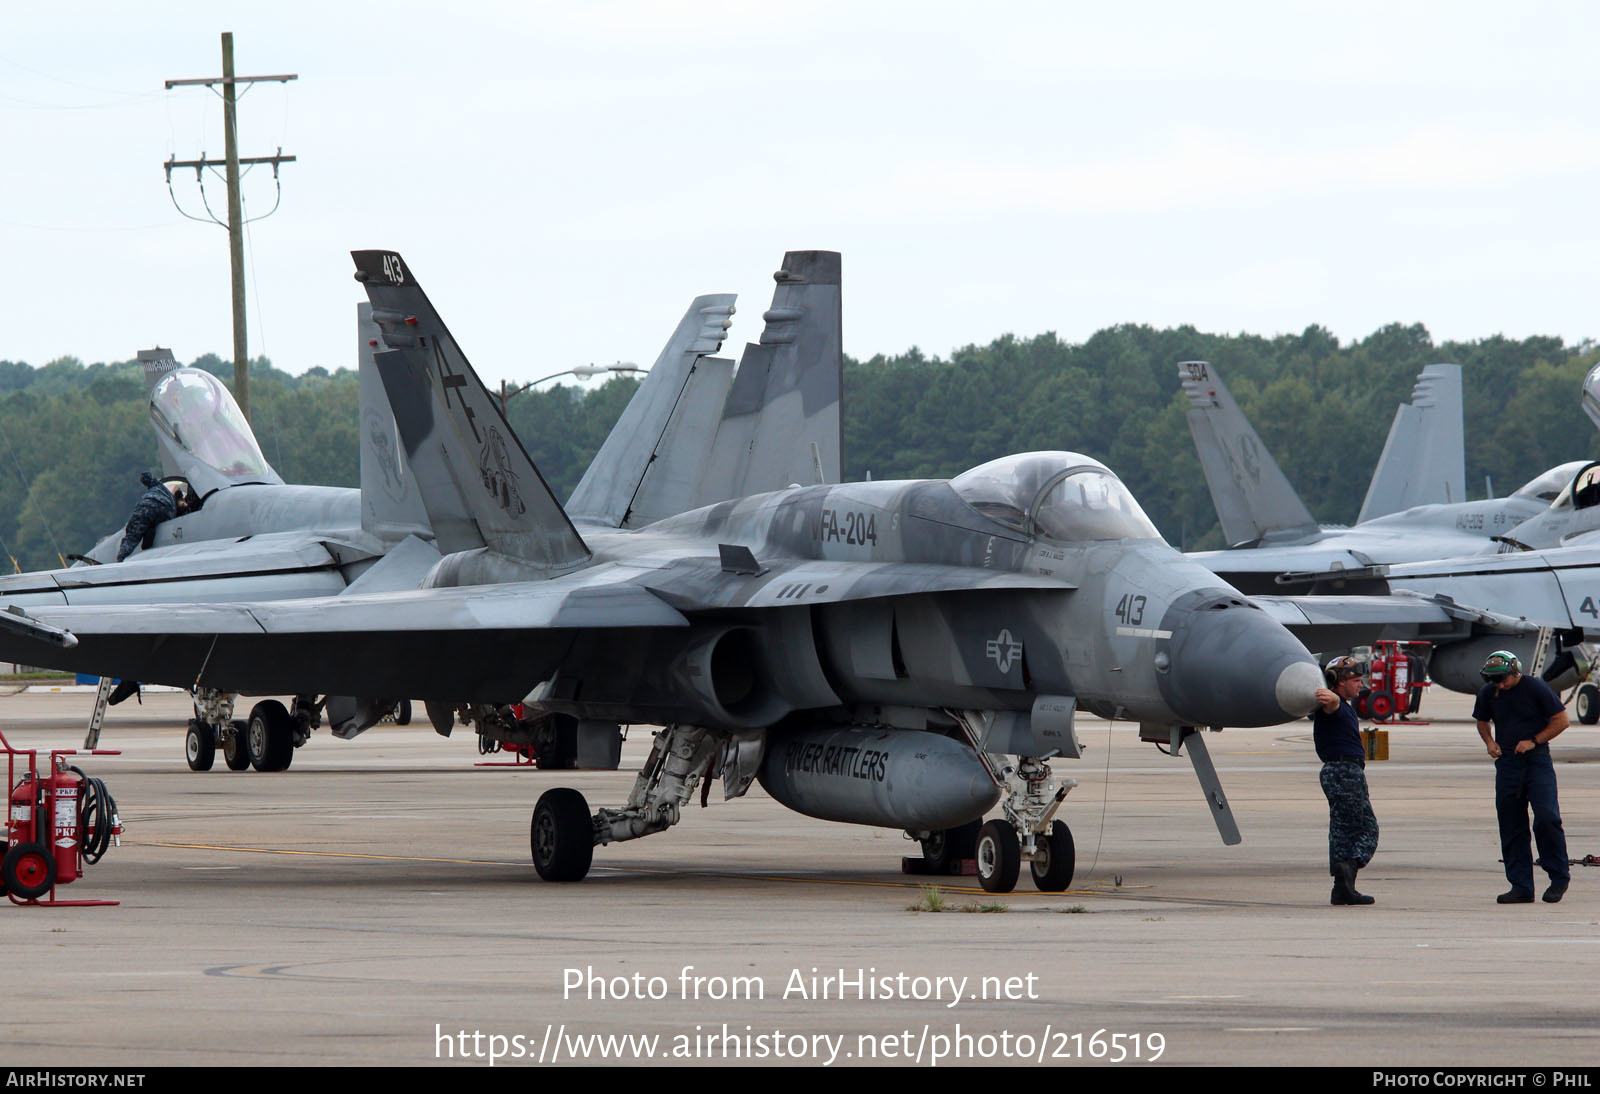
(1105, 796)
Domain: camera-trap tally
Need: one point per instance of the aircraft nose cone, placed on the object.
(1230, 664)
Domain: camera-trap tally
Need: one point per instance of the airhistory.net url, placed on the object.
(924, 1046)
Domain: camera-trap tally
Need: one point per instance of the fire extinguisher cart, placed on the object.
(57, 820)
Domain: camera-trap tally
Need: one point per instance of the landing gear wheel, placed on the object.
(200, 745)
(402, 713)
(944, 850)
(1381, 704)
(271, 736)
(236, 746)
(561, 836)
(999, 857)
(1588, 704)
(28, 870)
(555, 742)
(1053, 872)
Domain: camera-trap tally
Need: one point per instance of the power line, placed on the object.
(231, 162)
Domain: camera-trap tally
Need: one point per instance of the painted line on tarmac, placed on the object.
(618, 871)
(330, 854)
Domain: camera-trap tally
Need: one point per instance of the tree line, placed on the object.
(73, 438)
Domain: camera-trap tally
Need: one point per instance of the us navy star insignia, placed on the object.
(1003, 650)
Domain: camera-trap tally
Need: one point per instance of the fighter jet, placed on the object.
(904, 654)
(684, 439)
(1272, 534)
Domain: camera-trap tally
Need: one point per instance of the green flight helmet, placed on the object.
(1498, 665)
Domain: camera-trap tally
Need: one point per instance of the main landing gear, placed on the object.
(563, 834)
(265, 741)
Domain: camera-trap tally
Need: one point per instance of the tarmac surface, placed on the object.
(375, 904)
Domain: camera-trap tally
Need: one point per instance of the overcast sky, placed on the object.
(563, 178)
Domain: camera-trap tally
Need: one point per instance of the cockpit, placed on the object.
(1583, 491)
(194, 409)
(1059, 495)
(1548, 486)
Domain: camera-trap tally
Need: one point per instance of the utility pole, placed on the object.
(235, 223)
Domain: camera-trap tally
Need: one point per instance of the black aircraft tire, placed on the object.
(1588, 704)
(402, 713)
(271, 736)
(28, 870)
(999, 857)
(946, 849)
(1053, 873)
(561, 835)
(236, 746)
(200, 745)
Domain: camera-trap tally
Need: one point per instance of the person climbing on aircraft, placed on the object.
(162, 500)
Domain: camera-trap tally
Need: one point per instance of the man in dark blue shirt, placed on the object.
(1336, 731)
(1527, 715)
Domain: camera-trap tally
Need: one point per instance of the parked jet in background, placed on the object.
(1272, 531)
(902, 654)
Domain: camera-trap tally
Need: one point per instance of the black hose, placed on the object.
(97, 812)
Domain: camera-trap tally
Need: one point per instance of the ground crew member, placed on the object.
(1527, 715)
(1336, 731)
(161, 502)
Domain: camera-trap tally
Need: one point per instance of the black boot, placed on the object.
(1344, 884)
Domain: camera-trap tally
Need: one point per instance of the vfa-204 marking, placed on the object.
(856, 527)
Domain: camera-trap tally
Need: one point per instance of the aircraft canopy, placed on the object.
(1059, 495)
(197, 414)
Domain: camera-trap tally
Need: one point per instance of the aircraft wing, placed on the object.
(1338, 622)
(267, 567)
(479, 642)
(482, 642)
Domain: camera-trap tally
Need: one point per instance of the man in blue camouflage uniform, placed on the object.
(161, 502)
(1336, 731)
(1526, 715)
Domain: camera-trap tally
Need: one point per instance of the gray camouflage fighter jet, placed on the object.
(1273, 534)
(1460, 553)
(902, 654)
(256, 539)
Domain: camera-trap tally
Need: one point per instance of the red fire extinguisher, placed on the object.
(56, 821)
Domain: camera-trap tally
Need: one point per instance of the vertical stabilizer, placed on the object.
(785, 396)
(477, 482)
(1424, 460)
(1252, 496)
(652, 461)
(391, 506)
